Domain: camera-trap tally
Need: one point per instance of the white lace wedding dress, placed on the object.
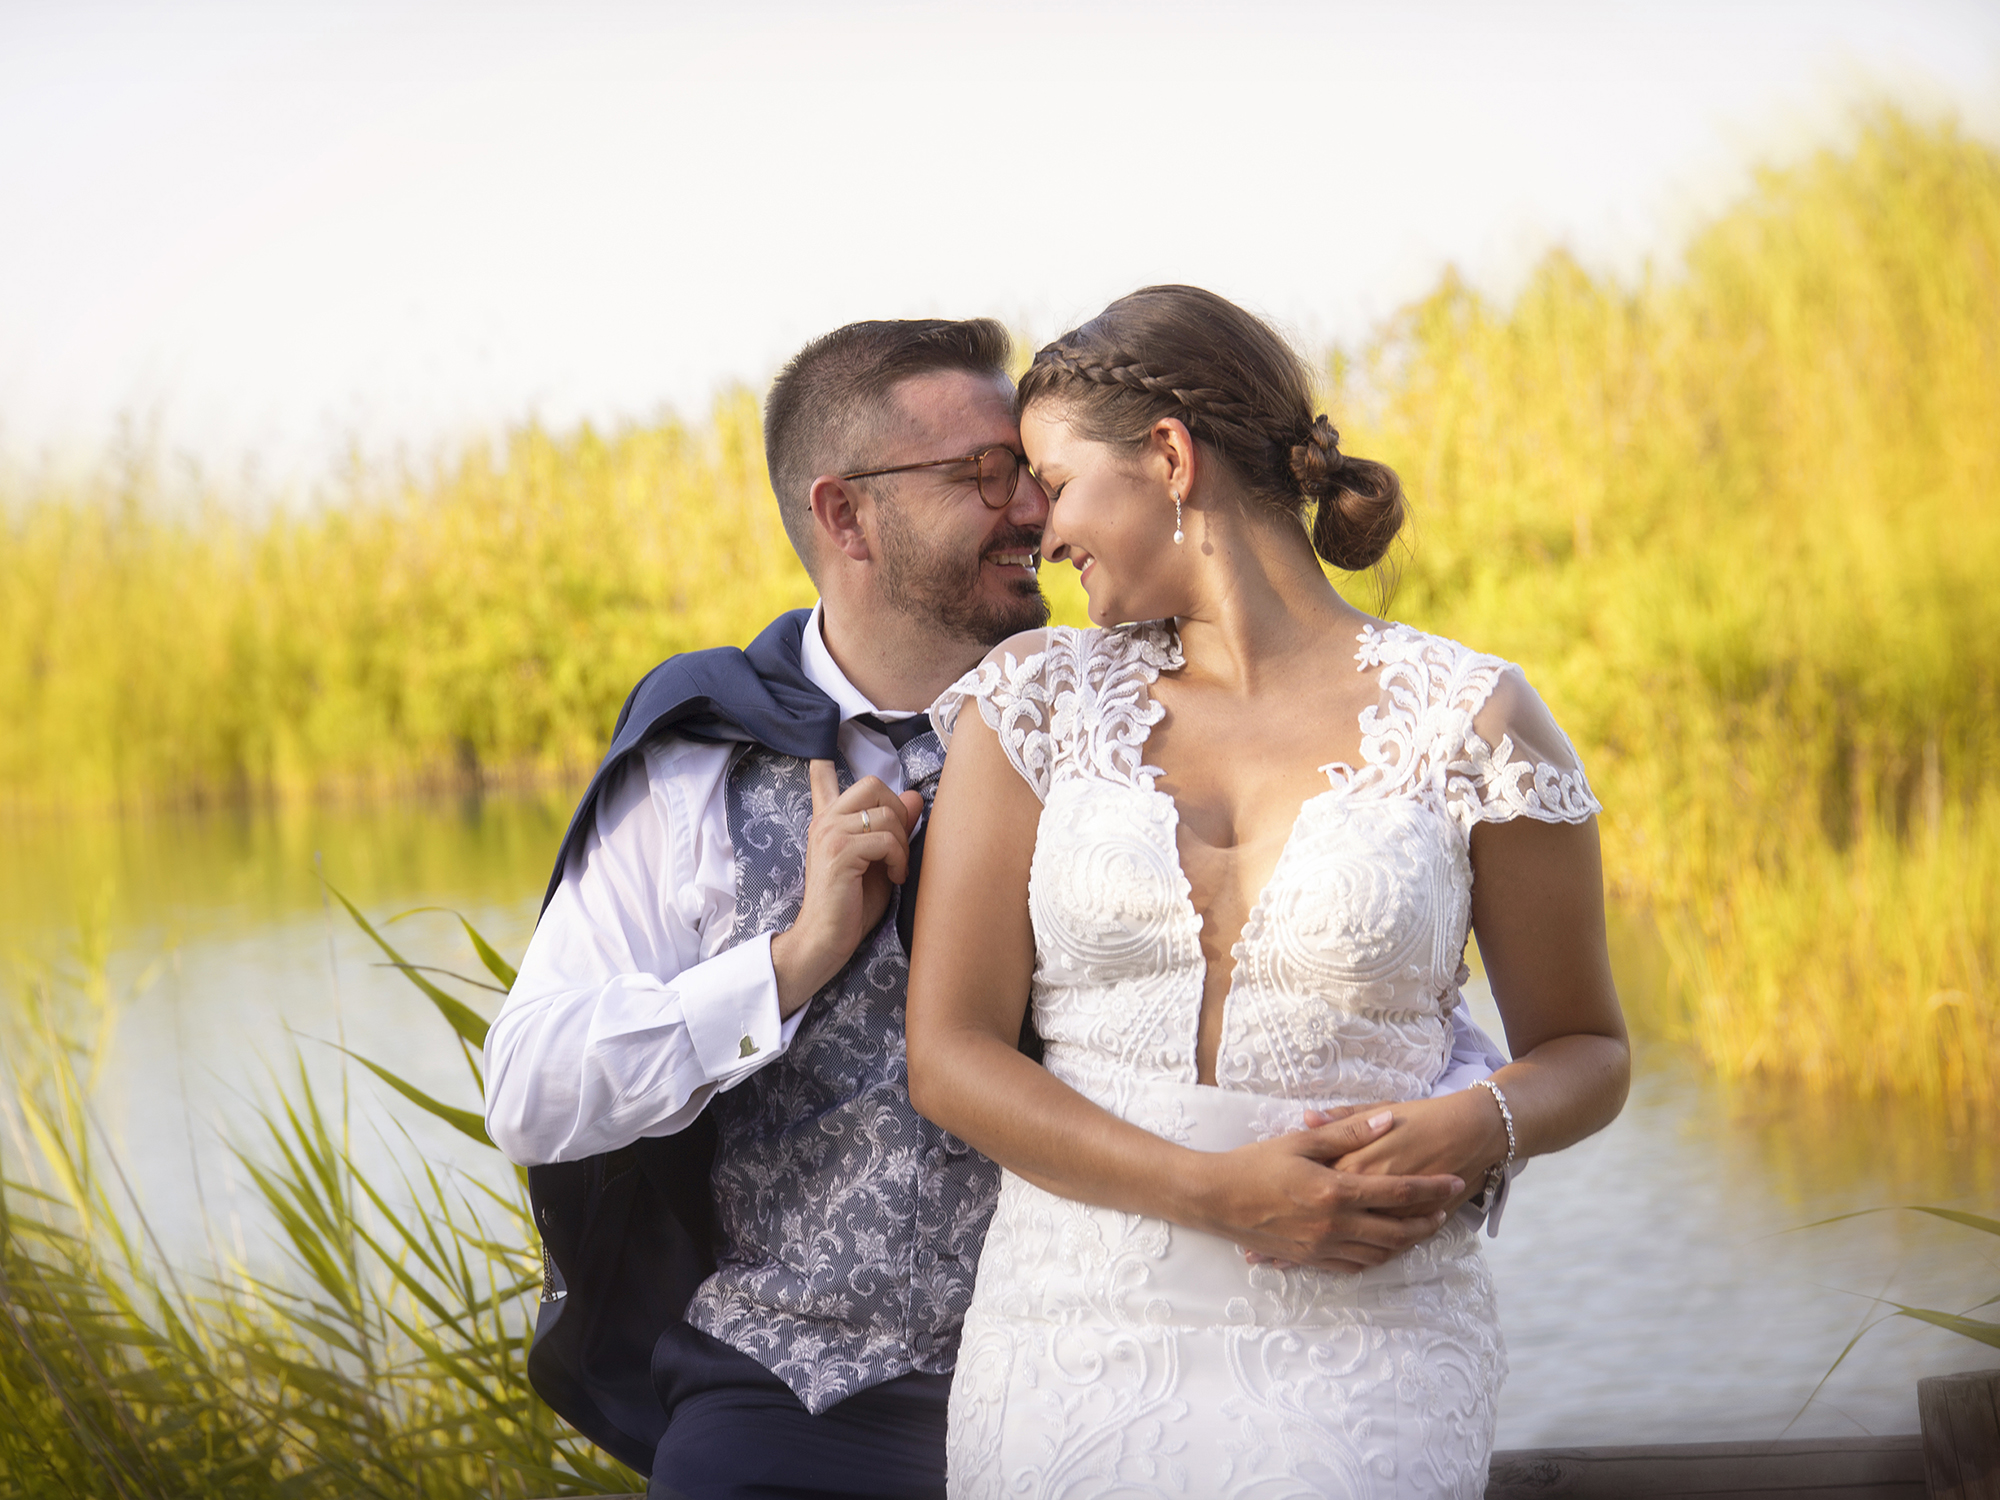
(1107, 1354)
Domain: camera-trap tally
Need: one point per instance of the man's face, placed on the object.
(945, 556)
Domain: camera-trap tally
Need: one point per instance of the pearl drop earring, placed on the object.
(1179, 535)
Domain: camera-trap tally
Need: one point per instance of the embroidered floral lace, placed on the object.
(1108, 1353)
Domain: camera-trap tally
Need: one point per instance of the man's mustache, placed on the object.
(1019, 539)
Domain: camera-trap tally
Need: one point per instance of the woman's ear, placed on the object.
(836, 506)
(1172, 450)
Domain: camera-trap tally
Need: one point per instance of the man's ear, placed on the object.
(836, 507)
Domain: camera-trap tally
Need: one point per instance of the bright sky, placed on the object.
(266, 230)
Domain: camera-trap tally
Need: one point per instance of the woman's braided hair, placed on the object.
(1178, 351)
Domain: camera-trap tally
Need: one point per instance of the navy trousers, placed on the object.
(736, 1432)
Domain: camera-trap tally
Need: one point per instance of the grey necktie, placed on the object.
(922, 758)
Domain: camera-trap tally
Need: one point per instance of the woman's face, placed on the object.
(1110, 516)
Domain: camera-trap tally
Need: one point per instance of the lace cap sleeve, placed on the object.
(1013, 700)
(1515, 762)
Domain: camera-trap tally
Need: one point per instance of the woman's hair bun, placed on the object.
(1317, 461)
(1360, 502)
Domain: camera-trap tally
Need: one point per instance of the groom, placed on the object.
(757, 1253)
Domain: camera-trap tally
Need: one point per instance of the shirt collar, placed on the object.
(825, 674)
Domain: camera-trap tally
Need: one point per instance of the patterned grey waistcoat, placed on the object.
(850, 1225)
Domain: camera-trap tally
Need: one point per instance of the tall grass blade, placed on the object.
(1972, 1328)
(497, 966)
(468, 1122)
(477, 984)
(462, 1018)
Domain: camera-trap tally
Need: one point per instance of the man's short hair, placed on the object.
(828, 401)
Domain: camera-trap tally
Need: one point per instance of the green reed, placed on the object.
(1738, 521)
(1964, 1324)
(482, 621)
(385, 1355)
(1742, 524)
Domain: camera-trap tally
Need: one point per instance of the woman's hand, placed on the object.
(1287, 1202)
(1459, 1133)
(1431, 1139)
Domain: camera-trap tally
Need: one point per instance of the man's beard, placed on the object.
(932, 582)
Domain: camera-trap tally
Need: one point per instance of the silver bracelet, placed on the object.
(1497, 1173)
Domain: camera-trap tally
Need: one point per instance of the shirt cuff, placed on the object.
(1492, 1209)
(730, 1006)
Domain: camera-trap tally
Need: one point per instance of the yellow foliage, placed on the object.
(1739, 523)
(492, 619)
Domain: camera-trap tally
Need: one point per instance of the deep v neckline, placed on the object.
(1340, 774)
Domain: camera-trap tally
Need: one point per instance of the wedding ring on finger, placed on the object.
(864, 819)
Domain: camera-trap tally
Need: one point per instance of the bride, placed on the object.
(1231, 857)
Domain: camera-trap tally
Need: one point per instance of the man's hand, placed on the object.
(857, 849)
(1282, 1200)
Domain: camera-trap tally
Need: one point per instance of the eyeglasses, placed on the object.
(996, 471)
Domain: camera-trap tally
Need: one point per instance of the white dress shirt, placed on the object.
(631, 1008)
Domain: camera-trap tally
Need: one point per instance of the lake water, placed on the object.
(1655, 1282)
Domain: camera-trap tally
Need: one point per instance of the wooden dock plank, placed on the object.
(1960, 1415)
(1890, 1468)
(1812, 1469)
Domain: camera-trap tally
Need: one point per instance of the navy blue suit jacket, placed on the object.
(628, 1236)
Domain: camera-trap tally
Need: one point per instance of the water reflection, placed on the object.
(1649, 1289)
(1656, 1285)
(232, 970)
(183, 874)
